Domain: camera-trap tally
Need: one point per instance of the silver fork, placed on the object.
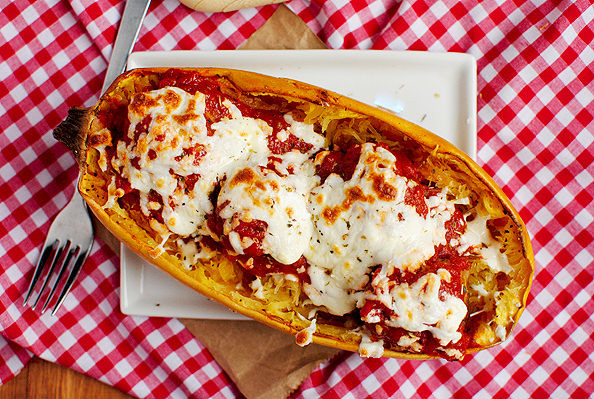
(70, 237)
(68, 243)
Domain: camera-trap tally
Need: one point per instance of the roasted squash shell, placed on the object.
(341, 119)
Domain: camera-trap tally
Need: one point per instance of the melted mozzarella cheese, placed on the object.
(501, 332)
(369, 348)
(305, 132)
(478, 237)
(305, 336)
(176, 123)
(253, 193)
(192, 251)
(277, 197)
(177, 126)
(332, 290)
(257, 288)
(420, 307)
(365, 222)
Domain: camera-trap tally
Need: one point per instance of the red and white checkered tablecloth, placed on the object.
(535, 136)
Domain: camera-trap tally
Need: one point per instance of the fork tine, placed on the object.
(55, 259)
(80, 260)
(72, 235)
(41, 263)
(71, 253)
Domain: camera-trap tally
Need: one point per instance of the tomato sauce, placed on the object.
(403, 165)
(190, 181)
(115, 119)
(254, 230)
(278, 123)
(415, 196)
(344, 164)
(216, 111)
(140, 128)
(341, 163)
(263, 265)
(131, 200)
(196, 152)
(282, 147)
(188, 81)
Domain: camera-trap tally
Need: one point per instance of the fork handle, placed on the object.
(134, 13)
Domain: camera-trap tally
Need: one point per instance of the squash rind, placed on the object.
(74, 133)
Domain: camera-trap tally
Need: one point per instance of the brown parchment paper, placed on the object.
(262, 362)
(284, 30)
(225, 5)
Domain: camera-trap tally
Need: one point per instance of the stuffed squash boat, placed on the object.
(320, 216)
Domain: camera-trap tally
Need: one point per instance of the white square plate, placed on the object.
(434, 90)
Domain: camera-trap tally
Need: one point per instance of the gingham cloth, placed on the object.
(535, 136)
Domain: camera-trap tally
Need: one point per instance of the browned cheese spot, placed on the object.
(174, 141)
(330, 214)
(185, 118)
(171, 99)
(384, 190)
(245, 176)
(274, 185)
(261, 186)
(140, 103)
(355, 194)
(102, 137)
(302, 337)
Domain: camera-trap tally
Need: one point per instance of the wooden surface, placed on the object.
(41, 380)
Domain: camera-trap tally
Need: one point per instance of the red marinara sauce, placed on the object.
(341, 163)
(428, 344)
(193, 83)
(344, 163)
(212, 88)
